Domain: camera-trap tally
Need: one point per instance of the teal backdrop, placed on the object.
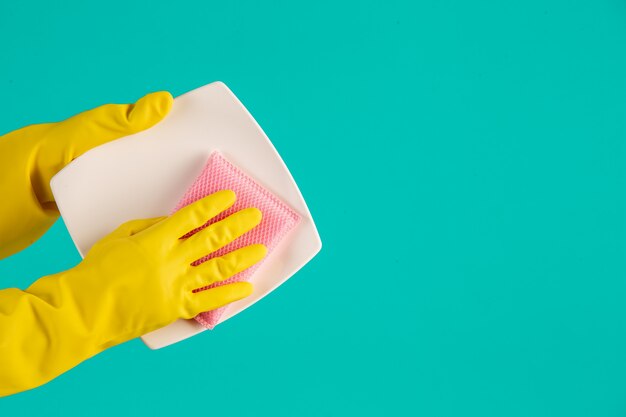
(465, 163)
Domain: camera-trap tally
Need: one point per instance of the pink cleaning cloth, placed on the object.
(278, 218)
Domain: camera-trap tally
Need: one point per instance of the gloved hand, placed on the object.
(136, 280)
(31, 156)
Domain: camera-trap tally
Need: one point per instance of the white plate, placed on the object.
(146, 174)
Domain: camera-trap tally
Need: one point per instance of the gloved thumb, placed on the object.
(103, 124)
(65, 141)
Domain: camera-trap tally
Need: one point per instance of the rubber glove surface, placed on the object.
(134, 281)
(31, 156)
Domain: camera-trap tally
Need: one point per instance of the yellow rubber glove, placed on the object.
(136, 280)
(31, 156)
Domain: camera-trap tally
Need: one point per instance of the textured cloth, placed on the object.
(278, 218)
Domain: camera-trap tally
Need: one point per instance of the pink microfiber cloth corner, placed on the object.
(278, 218)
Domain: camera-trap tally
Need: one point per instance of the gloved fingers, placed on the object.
(216, 297)
(198, 213)
(133, 227)
(220, 234)
(95, 127)
(224, 267)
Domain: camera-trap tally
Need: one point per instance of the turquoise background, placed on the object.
(465, 162)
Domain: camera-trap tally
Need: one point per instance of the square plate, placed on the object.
(146, 174)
